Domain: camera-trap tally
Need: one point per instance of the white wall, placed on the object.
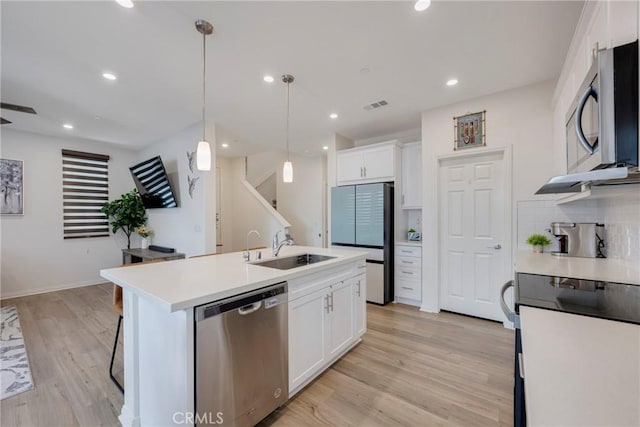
(247, 211)
(226, 203)
(408, 135)
(521, 119)
(35, 257)
(189, 228)
(301, 201)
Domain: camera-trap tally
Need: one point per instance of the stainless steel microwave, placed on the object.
(602, 123)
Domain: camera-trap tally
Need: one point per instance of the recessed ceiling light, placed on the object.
(125, 3)
(452, 82)
(268, 79)
(325, 147)
(225, 145)
(109, 76)
(333, 115)
(422, 5)
(67, 126)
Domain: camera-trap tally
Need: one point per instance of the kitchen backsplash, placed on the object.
(621, 217)
(414, 219)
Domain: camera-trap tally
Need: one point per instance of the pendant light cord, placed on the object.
(204, 78)
(288, 83)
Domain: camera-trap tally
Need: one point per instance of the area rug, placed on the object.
(15, 376)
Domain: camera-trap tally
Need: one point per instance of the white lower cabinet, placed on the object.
(307, 332)
(408, 274)
(360, 305)
(339, 331)
(323, 325)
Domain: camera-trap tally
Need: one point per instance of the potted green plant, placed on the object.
(126, 213)
(538, 241)
(412, 234)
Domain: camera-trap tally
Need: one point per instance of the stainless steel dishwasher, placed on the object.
(241, 367)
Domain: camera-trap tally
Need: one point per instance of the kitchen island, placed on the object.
(326, 317)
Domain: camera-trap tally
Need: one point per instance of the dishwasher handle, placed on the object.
(251, 308)
(246, 303)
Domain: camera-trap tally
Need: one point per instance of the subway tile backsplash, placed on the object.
(621, 217)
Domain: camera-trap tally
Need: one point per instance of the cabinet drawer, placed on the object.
(408, 251)
(408, 289)
(408, 273)
(403, 261)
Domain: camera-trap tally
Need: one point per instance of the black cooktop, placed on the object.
(604, 300)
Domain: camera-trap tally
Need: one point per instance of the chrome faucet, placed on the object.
(247, 255)
(287, 241)
(275, 242)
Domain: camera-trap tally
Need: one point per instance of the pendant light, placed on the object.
(287, 170)
(203, 156)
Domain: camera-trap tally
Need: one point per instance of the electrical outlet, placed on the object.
(418, 220)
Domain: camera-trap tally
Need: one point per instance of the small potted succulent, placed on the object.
(538, 241)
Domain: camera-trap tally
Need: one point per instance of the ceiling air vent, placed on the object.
(375, 105)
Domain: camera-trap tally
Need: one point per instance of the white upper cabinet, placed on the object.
(412, 176)
(349, 166)
(373, 163)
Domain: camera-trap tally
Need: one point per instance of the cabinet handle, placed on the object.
(365, 171)
(362, 266)
(331, 301)
(403, 199)
(358, 289)
(406, 252)
(408, 272)
(407, 288)
(361, 172)
(406, 262)
(326, 300)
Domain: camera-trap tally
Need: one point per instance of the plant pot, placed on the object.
(538, 249)
(144, 243)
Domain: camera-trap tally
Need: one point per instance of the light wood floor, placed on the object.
(412, 369)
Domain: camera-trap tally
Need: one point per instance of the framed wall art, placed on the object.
(469, 130)
(11, 187)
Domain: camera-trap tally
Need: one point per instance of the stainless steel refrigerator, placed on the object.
(362, 217)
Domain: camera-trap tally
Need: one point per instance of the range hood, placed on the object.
(576, 182)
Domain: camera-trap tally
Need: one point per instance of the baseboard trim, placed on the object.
(38, 291)
(428, 310)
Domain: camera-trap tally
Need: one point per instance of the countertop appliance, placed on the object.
(604, 300)
(584, 240)
(602, 123)
(241, 351)
(362, 217)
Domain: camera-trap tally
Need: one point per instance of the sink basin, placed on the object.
(287, 263)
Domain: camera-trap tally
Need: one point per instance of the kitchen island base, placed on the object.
(326, 317)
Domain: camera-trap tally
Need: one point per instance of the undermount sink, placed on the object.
(287, 263)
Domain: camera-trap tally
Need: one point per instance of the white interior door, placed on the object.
(474, 234)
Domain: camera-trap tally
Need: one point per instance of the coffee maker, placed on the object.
(584, 240)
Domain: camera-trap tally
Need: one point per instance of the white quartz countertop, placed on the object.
(409, 243)
(602, 269)
(185, 283)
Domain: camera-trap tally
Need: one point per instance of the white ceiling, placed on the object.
(53, 55)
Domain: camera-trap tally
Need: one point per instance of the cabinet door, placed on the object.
(412, 176)
(379, 163)
(349, 166)
(340, 318)
(360, 305)
(307, 336)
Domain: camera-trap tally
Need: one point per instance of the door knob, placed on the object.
(496, 247)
